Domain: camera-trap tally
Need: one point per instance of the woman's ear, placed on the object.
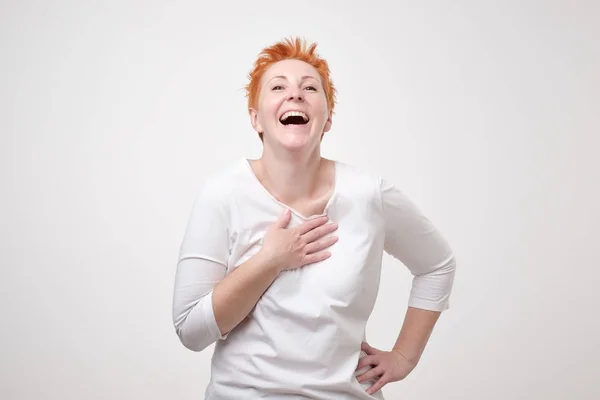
(328, 123)
(254, 120)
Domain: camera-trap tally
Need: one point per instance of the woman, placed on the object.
(280, 263)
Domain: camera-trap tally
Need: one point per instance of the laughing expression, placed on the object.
(292, 107)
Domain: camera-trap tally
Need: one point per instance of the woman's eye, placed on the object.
(278, 87)
(311, 88)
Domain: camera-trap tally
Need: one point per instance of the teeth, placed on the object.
(294, 113)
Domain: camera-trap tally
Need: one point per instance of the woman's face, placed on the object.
(292, 107)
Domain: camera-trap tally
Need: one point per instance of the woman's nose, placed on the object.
(296, 96)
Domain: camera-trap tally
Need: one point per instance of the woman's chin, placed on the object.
(294, 140)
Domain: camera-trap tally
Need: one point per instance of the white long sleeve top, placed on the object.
(302, 339)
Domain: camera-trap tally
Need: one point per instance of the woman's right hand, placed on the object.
(304, 244)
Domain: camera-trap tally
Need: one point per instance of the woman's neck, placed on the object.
(291, 177)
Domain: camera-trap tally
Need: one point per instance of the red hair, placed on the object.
(290, 48)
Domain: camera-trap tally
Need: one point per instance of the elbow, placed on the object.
(445, 268)
(449, 267)
(194, 323)
(192, 329)
(195, 340)
(432, 290)
(193, 345)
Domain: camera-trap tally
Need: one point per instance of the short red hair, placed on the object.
(289, 48)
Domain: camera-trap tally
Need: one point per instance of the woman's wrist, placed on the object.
(266, 261)
(412, 357)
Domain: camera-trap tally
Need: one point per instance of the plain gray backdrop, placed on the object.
(485, 113)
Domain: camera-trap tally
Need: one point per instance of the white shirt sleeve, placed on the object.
(411, 238)
(201, 265)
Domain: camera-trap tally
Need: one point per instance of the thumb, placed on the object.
(284, 219)
(368, 349)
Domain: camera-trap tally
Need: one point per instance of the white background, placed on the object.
(487, 114)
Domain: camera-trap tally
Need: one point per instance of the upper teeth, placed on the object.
(294, 113)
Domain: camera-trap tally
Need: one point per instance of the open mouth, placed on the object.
(294, 118)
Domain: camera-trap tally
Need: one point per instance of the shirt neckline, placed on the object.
(248, 167)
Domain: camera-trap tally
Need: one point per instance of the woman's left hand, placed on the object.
(388, 366)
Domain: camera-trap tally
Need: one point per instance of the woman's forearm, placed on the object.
(237, 294)
(414, 335)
